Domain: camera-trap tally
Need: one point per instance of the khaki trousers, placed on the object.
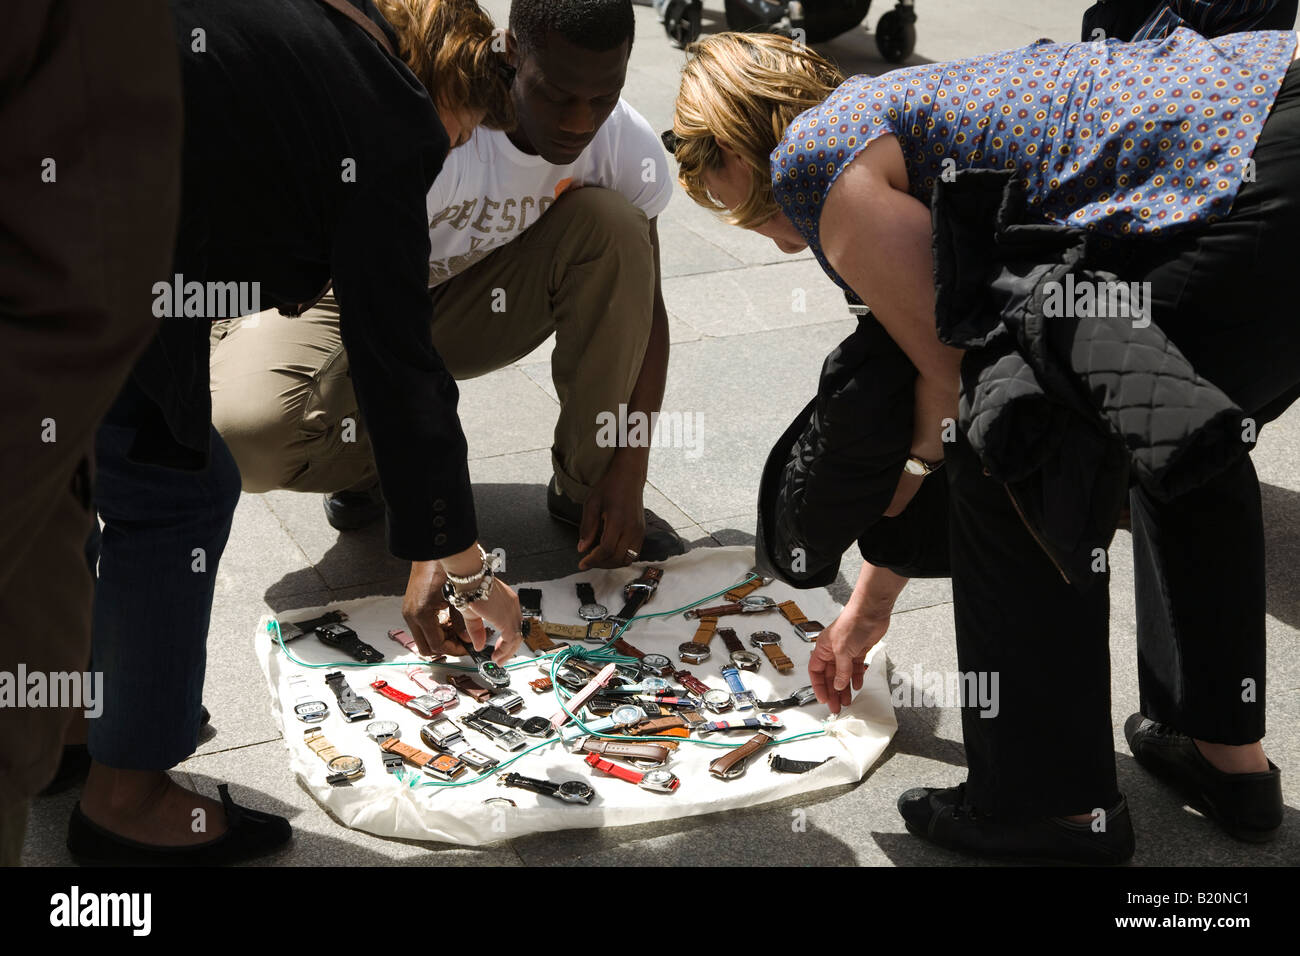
(283, 401)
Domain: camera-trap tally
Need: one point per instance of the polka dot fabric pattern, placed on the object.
(1121, 138)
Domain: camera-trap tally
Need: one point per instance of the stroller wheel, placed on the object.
(682, 21)
(896, 35)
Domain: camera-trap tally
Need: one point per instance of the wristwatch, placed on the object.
(806, 629)
(918, 466)
(637, 593)
(531, 726)
(570, 791)
(351, 706)
(744, 590)
(467, 685)
(761, 722)
(442, 734)
(507, 739)
(770, 642)
(594, 632)
(784, 765)
(622, 716)
(426, 705)
(589, 609)
(346, 640)
(530, 601)
(507, 700)
(656, 781)
(493, 674)
(441, 693)
(643, 755)
(732, 764)
(306, 706)
(743, 659)
(438, 766)
(574, 703)
(744, 699)
(292, 630)
(342, 767)
(800, 698)
(718, 701)
(696, 650)
(752, 604)
(381, 730)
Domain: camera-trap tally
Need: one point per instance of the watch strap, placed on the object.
(321, 747)
(350, 644)
(778, 658)
(403, 637)
(785, 765)
(546, 788)
(732, 676)
(618, 748)
(535, 636)
(530, 599)
(731, 639)
(638, 596)
(300, 688)
(733, 761)
(414, 754)
(790, 611)
(467, 685)
(704, 633)
(744, 590)
(615, 770)
(386, 689)
(560, 718)
(718, 610)
(541, 685)
(292, 630)
(691, 682)
(627, 650)
(657, 725)
(586, 593)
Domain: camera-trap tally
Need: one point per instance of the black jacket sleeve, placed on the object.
(405, 393)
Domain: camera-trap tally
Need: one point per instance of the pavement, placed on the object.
(745, 361)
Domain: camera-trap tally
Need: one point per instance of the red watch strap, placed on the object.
(391, 692)
(613, 769)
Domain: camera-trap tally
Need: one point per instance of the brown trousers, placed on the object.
(283, 401)
(89, 194)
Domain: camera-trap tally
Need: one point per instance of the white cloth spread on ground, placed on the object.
(489, 191)
(380, 803)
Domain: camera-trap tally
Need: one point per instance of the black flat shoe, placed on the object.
(660, 542)
(249, 834)
(1247, 805)
(943, 817)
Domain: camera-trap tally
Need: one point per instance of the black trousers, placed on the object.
(1225, 296)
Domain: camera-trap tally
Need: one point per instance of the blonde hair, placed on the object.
(447, 44)
(743, 89)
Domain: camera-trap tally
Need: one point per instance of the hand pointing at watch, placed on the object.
(500, 608)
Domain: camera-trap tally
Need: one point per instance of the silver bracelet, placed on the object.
(462, 599)
(470, 579)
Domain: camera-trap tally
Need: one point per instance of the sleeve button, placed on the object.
(439, 521)
(440, 539)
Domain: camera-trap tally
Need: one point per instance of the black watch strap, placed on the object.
(776, 704)
(346, 640)
(496, 715)
(544, 787)
(650, 576)
(349, 703)
(530, 601)
(289, 630)
(586, 593)
(785, 765)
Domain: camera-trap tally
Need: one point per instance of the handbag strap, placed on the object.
(363, 21)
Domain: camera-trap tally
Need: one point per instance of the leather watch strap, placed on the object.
(778, 658)
(744, 590)
(704, 633)
(596, 630)
(785, 765)
(541, 685)
(691, 682)
(790, 611)
(718, 610)
(467, 685)
(535, 636)
(320, 746)
(618, 748)
(648, 728)
(586, 593)
(414, 754)
(627, 650)
(403, 637)
(731, 639)
(733, 761)
(639, 595)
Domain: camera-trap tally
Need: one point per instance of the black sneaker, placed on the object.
(354, 510)
(1246, 805)
(660, 542)
(944, 817)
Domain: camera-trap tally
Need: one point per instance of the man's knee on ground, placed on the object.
(608, 217)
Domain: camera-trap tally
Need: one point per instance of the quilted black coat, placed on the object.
(1064, 411)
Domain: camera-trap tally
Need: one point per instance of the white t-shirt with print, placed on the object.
(489, 192)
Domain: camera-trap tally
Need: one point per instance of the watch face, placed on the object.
(804, 695)
(494, 673)
(757, 601)
(718, 701)
(759, 638)
(655, 684)
(770, 721)
(593, 612)
(507, 700)
(537, 727)
(382, 728)
(659, 779)
(312, 711)
(914, 466)
(576, 790)
(659, 663)
(345, 764)
(626, 714)
(745, 660)
(808, 630)
(693, 653)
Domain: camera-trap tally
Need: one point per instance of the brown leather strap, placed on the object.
(363, 21)
(467, 685)
(735, 607)
(321, 747)
(627, 650)
(790, 611)
(616, 748)
(541, 685)
(704, 633)
(731, 758)
(414, 754)
(778, 658)
(744, 590)
(535, 636)
(731, 639)
(656, 725)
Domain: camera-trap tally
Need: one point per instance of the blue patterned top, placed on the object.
(1122, 138)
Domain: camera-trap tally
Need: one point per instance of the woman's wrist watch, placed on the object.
(915, 465)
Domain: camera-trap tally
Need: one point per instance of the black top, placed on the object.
(284, 103)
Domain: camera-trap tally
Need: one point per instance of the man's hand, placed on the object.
(502, 611)
(421, 608)
(613, 516)
(837, 660)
